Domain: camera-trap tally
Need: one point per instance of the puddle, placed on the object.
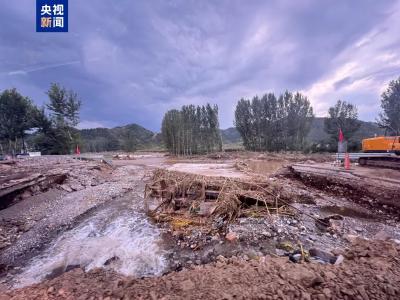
(119, 237)
(348, 212)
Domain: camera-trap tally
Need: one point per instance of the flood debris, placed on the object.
(217, 198)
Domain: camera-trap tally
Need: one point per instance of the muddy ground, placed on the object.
(328, 210)
(371, 270)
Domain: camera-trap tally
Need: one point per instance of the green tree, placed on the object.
(192, 130)
(17, 115)
(273, 124)
(390, 103)
(244, 123)
(344, 116)
(62, 136)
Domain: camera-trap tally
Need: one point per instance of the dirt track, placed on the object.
(370, 270)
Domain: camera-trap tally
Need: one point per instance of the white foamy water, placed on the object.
(118, 238)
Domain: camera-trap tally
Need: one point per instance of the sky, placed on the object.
(131, 61)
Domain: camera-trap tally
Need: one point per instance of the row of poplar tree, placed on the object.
(274, 123)
(192, 130)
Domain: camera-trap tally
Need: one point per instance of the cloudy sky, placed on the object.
(130, 61)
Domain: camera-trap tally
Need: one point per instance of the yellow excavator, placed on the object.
(381, 151)
(382, 144)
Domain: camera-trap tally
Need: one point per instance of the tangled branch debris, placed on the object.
(222, 198)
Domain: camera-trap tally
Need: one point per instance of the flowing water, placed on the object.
(117, 237)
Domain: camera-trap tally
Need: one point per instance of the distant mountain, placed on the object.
(316, 134)
(129, 138)
(230, 136)
(367, 129)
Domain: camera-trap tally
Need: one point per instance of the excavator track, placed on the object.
(382, 162)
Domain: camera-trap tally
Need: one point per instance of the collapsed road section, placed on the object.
(92, 218)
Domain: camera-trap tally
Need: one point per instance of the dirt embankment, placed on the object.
(370, 187)
(370, 270)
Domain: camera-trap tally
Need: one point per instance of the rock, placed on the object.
(221, 258)
(362, 292)
(318, 280)
(329, 275)
(336, 225)
(66, 187)
(346, 291)
(206, 208)
(339, 260)
(232, 236)
(382, 235)
(215, 237)
(266, 234)
(295, 258)
(50, 290)
(61, 292)
(226, 296)
(358, 229)
(280, 252)
(312, 238)
(323, 255)
(350, 238)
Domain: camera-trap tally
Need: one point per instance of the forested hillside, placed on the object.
(128, 138)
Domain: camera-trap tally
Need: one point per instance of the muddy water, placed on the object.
(117, 237)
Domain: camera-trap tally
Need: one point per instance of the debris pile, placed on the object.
(221, 198)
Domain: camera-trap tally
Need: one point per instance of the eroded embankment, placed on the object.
(370, 192)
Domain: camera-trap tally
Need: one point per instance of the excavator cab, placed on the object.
(382, 144)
